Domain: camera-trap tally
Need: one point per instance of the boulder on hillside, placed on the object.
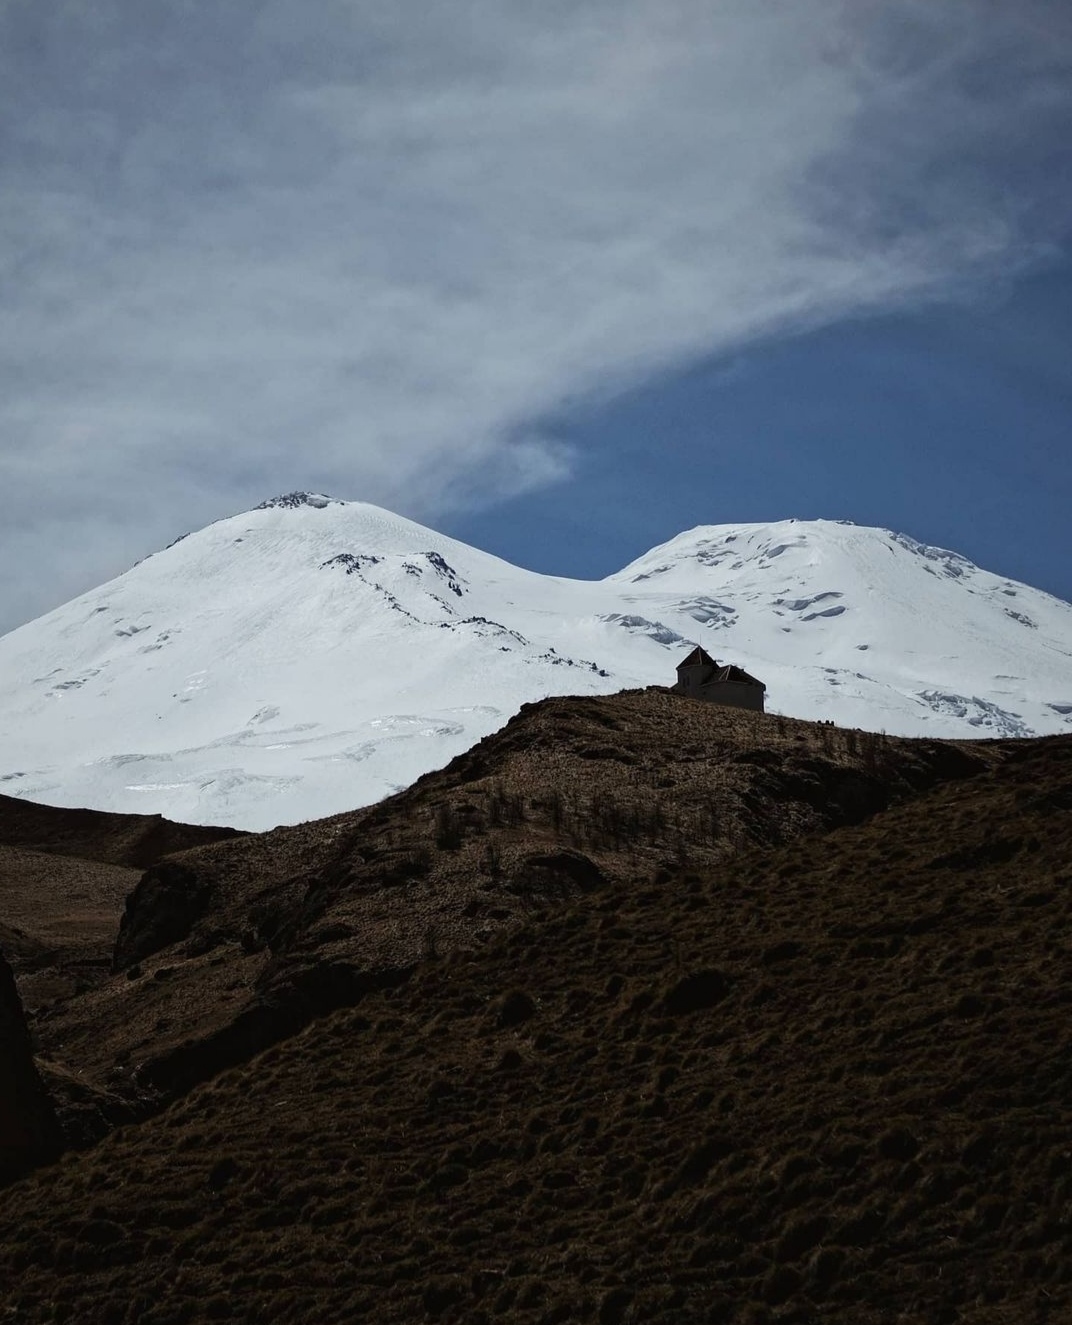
(169, 900)
(29, 1133)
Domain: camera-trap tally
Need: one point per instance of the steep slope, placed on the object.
(829, 1081)
(870, 627)
(313, 655)
(296, 660)
(231, 946)
(29, 1133)
(64, 878)
(64, 875)
(132, 840)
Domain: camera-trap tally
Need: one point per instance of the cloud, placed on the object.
(262, 245)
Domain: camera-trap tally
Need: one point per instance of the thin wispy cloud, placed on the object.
(370, 248)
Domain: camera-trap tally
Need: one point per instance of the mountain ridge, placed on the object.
(312, 654)
(254, 934)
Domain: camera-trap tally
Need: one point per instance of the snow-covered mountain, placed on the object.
(313, 655)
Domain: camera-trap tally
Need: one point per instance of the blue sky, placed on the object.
(952, 424)
(507, 268)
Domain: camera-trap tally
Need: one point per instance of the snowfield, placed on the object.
(313, 655)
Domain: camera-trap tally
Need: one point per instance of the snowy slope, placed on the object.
(312, 655)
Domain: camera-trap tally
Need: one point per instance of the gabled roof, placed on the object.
(699, 657)
(730, 673)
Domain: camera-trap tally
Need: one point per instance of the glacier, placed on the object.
(313, 655)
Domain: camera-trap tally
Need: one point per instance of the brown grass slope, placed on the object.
(828, 1080)
(29, 1134)
(65, 912)
(134, 840)
(226, 948)
(64, 877)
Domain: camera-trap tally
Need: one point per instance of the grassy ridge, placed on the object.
(819, 1079)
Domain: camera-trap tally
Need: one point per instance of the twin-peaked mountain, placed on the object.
(312, 655)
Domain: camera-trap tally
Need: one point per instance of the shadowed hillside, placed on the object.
(225, 948)
(64, 875)
(29, 1134)
(641, 1011)
(134, 840)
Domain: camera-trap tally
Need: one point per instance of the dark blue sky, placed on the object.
(953, 425)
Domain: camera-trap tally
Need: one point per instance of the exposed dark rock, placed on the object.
(277, 1012)
(168, 901)
(29, 1133)
(85, 1111)
(289, 501)
(555, 871)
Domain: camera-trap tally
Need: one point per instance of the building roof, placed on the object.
(730, 673)
(699, 657)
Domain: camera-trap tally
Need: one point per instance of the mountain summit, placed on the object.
(312, 655)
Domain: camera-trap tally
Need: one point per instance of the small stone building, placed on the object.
(700, 677)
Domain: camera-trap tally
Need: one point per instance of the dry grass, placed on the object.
(818, 1077)
(573, 794)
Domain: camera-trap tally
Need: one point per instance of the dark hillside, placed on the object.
(65, 913)
(29, 1134)
(136, 840)
(784, 1075)
(228, 947)
(64, 876)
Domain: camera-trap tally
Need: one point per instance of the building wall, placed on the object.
(735, 694)
(690, 681)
